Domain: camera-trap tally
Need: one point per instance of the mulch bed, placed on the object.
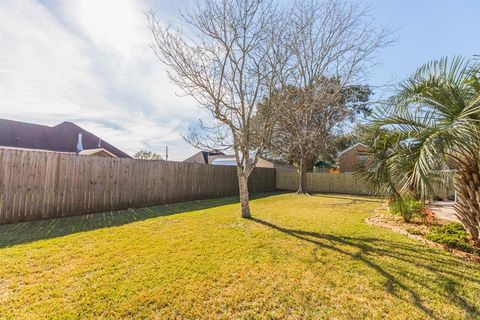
(380, 220)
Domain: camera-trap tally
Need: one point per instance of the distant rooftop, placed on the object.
(61, 138)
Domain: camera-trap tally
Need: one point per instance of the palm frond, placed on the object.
(432, 122)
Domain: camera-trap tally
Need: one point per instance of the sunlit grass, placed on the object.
(301, 257)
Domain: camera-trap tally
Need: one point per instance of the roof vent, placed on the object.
(79, 143)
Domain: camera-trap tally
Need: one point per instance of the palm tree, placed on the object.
(430, 128)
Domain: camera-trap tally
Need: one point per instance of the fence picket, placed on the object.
(40, 184)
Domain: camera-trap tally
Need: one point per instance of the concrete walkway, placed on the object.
(444, 210)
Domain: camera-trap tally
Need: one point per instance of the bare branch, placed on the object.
(231, 62)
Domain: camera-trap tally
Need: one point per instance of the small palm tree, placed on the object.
(429, 130)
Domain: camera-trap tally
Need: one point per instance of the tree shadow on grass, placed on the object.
(354, 198)
(25, 232)
(414, 256)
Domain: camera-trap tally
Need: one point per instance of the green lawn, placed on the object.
(301, 257)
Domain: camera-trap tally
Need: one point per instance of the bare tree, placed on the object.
(230, 60)
(307, 130)
(331, 43)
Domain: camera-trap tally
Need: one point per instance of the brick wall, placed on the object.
(353, 159)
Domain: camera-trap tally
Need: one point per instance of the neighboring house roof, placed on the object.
(224, 162)
(351, 148)
(30, 149)
(219, 158)
(206, 157)
(214, 156)
(61, 138)
(97, 151)
(276, 161)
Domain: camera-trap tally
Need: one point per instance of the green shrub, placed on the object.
(416, 231)
(407, 207)
(452, 235)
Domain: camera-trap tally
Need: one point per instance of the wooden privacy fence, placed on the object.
(37, 185)
(338, 183)
(323, 182)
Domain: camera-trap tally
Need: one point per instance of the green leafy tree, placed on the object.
(432, 128)
(147, 155)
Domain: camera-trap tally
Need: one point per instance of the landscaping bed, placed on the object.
(434, 232)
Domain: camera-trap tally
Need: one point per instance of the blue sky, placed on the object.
(88, 62)
(425, 30)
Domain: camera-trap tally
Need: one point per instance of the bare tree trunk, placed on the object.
(244, 197)
(467, 207)
(309, 164)
(302, 188)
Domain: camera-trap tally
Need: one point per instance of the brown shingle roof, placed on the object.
(62, 137)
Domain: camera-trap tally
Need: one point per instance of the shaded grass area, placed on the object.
(299, 257)
(12, 234)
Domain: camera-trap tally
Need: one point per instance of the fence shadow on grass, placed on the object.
(25, 232)
(370, 250)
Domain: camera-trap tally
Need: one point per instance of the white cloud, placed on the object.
(89, 62)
